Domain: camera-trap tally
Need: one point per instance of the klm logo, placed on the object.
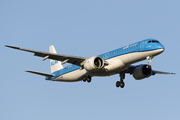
(54, 62)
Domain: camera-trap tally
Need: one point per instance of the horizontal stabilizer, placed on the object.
(39, 73)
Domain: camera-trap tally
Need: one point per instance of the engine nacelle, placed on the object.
(94, 63)
(142, 71)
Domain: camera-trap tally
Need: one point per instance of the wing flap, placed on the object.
(40, 73)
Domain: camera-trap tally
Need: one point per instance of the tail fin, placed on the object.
(55, 65)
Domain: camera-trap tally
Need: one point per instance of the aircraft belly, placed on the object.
(72, 76)
(104, 72)
(115, 65)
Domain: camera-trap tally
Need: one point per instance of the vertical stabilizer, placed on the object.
(55, 65)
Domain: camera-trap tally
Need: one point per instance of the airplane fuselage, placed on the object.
(116, 61)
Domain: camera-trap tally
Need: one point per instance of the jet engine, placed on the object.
(94, 63)
(142, 71)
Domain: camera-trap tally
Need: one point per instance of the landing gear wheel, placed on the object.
(84, 79)
(89, 79)
(122, 84)
(117, 84)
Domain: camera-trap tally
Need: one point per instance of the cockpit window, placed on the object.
(153, 41)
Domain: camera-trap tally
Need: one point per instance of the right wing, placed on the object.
(69, 59)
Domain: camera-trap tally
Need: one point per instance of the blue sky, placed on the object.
(87, 28)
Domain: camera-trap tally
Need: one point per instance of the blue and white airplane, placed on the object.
(118, 61)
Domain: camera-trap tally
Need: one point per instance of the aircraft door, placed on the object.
(142, 46)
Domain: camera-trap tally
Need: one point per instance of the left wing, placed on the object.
(69, 59)
(131, 68)
(159, 72)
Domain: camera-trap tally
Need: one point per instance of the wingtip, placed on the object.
(12, 47)
(6, 45)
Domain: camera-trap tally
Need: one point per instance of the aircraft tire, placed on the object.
(89, 79)
(122, 84)
(117, 84)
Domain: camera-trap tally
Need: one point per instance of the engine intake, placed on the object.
(94, 63)
(142, 71)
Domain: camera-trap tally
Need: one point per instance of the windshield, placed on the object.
(153, 41)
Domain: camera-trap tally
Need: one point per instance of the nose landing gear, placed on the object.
(121, 82)
(149, 58)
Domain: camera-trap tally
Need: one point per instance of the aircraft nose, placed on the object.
(161, 47)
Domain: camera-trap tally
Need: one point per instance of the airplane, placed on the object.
(118, 61)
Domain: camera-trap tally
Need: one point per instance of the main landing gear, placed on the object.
(88, 79)
(121, 82)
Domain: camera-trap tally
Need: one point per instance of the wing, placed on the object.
(59, 57)
(131, 68)
(159, 72)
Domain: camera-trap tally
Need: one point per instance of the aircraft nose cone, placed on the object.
(162, 50)
(161, 47)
